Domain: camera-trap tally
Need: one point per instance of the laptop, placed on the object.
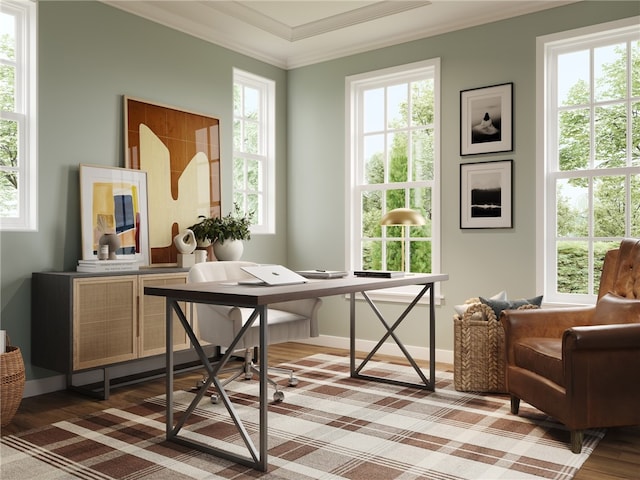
(271, 275)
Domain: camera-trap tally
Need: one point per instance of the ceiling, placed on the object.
(291, 34)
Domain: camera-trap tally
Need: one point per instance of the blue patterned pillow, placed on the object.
(499, 305)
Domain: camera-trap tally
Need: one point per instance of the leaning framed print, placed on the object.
(114, 201)
(486, 120)
(180, 151)
(486, 194)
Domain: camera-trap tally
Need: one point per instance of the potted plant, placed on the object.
(226, 233)
(204, 231)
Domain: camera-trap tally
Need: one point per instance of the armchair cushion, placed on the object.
(615, 309)
(542, 356)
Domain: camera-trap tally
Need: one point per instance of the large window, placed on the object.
(18, 181)
(394, 151)
(592, 154)
(254, 149)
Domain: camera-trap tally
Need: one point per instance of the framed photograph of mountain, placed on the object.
(486, 194)
(486, 120)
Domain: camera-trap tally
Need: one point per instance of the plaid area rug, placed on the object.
(328, 427)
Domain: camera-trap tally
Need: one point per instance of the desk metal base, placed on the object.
(257, 457)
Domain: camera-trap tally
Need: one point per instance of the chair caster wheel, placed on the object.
(215, 398)
(293, 381)
(200, 384)
(248, 376)
(278, 396)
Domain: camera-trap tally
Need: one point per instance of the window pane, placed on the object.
(600, 249)
(251, 138)
(373, 110)
(238, 174)
(373, 159)
(573, 267)
(253, 175)
(609, 206)
(635, 69)
(610, 72)
(237, 135)
(611, 136)
(394, 255)
(7, 88)
(9, 195)
(7, 36)
(395, 199)
(253, 205)
(572, 210)
(237, 100)
(573, 78)
(372, 255)
(251, 103)
(422, 103)
(420, 257)
(635, 206)
(371, 214)
(397, 106)
(422, 153)
(573, 139)
(420, 200)
(398, 160)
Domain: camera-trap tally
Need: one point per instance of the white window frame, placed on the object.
(548, 47)
(265, 223)
(354, 86)
(25, 114)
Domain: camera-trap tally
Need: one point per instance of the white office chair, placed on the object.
(219, 324)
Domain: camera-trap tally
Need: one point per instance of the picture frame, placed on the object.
(180, 151)
(486, 120)
(114, 200)
(486, 194)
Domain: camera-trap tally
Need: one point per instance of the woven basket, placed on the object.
(479, 351)
(11, 383)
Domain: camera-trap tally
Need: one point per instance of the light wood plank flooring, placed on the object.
(616, 457)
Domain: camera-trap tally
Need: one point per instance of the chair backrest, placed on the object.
(219, 271)
(621, 270)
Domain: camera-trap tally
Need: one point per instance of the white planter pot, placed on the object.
(229, 250)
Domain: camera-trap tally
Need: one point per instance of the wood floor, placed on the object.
(616, 457)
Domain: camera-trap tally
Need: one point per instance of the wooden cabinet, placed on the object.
(86, 321)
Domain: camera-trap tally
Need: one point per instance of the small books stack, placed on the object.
(378, 273)
(96, 266)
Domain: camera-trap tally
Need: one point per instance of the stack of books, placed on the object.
(95, 266)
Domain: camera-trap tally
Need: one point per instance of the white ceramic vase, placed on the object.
(229, 250)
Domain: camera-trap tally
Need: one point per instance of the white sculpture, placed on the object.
(185, 242)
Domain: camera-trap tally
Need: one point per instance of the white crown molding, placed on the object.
(331, 23)
(243, 27)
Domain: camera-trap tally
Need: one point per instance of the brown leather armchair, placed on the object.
(582, 365)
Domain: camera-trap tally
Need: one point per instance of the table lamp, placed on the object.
(402, 217)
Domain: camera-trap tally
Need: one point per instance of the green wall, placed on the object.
(91, 54)
(479, 262)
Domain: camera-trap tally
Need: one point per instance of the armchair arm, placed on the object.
(549, 323)
(602, 337)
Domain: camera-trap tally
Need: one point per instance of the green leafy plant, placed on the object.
(233, 226)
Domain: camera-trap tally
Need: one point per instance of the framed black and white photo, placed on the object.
(486, 120)
(486, 194)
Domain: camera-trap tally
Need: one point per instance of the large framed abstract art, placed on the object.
(180, 151)
(114, 201)
(486, 194)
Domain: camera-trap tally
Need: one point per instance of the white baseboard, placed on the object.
(58, 382)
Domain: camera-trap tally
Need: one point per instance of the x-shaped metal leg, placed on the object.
(427, 383)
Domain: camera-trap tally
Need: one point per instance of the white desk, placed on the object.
(259, 298)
